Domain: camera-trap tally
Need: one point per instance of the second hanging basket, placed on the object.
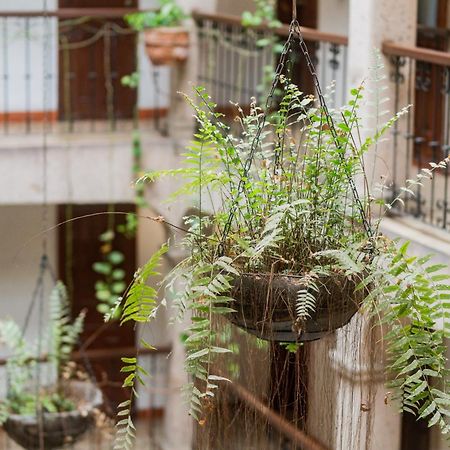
(56, 430)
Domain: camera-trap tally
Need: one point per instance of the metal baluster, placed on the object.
(409, 137)
(419, 141)
(322, 66)
(344, 75)
(92, 81)
(334, 64)
(443, 203)
(398, 79)
(5, 77)
(27, 76)
(435, 144)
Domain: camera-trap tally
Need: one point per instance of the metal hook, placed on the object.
(294, 10)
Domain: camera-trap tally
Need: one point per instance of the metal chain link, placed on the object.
(330, 122)
(295, 31)
(256, 139)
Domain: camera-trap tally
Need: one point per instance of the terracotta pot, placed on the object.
(266, 308)
(167, 45)
(58, 429)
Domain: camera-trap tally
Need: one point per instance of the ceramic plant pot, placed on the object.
(167, 45)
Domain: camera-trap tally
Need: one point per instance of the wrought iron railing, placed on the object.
(421, 77)
(64, 68)
(233, 60)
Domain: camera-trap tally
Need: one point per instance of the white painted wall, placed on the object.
(333, 16)
(20, 256)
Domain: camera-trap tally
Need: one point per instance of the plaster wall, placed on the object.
(20, 253)
(333, 16)
(234, 7)
(82, 168)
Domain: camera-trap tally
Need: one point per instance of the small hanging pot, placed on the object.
(167, 45)
(266, 306)
(57, 429)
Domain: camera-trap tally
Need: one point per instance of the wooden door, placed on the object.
(430, 78)
(79, 249)
(94, 54)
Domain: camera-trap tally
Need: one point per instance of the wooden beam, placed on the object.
(72, 13)
(310, 34)
(417, 53)
(287, 429)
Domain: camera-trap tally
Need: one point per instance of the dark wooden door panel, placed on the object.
(429, 79)
(79, 249)
(94, 55)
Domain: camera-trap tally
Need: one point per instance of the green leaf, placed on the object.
(103, 268)
(115, 257)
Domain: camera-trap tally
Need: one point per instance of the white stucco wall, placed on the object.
(333, 16)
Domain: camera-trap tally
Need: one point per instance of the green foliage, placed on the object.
(63, 334)
(413, 295)
(306, 298)
(265, 12)
(140, 306)
(282, 199)
(111, 285)
(168, 15)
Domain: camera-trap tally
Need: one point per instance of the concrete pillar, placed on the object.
(181, 122)
(371, 23)
(347, 407)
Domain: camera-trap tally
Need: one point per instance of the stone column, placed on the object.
(347, 407)
(371, 23)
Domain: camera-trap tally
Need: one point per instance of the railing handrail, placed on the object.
(72, 13)
(418, 53)
(104, 353)
(310, 34)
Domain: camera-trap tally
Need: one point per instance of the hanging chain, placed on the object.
(329, 119)
(294, 10)
(295, 32)
(257, 138)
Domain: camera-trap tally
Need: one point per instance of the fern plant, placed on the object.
(63, 334)
(280, 199)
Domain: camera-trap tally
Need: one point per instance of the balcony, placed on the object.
(421, 77)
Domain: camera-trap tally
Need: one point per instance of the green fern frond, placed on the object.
(141, 299)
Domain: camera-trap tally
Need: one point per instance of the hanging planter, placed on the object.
(166, 41)
(57, 429)
(292, 248)
(266, 306)
(36, 416)
(166, 46)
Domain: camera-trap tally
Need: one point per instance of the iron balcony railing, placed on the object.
(64, 68)
(233, 60)
(421, 78)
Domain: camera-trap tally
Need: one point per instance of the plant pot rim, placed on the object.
(178, 29)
